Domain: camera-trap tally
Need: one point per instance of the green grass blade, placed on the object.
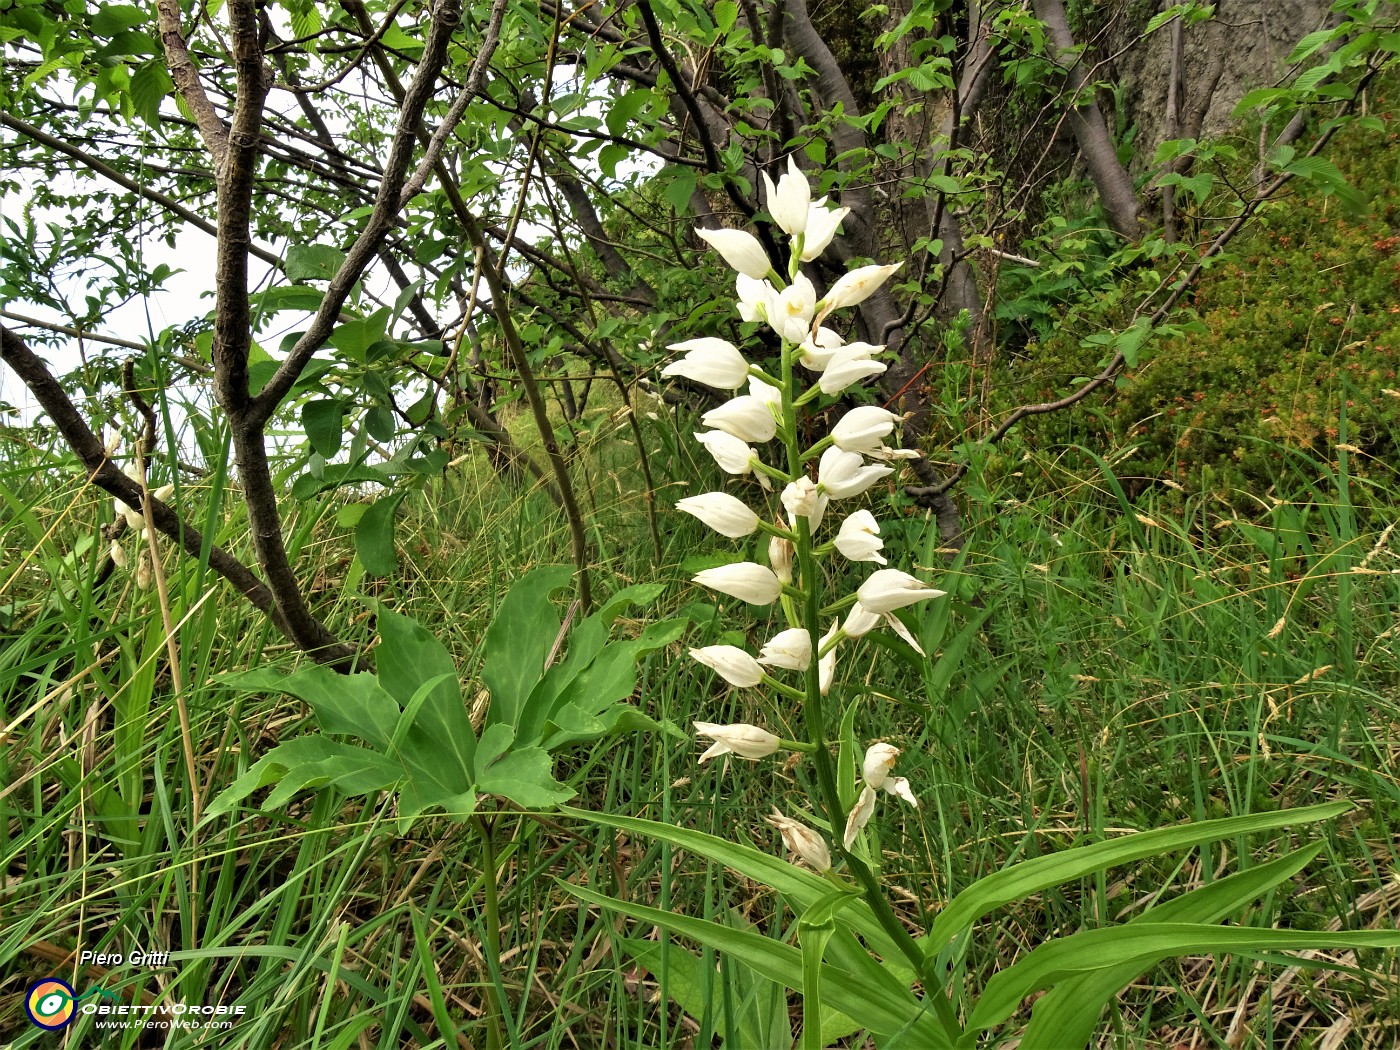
(1021, 880)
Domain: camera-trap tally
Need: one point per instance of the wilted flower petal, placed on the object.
(745, 580)
(780, 558)
(733, 664)
(741, 739)
(859, 816)
(895, 624)
(802, 840)
(790, 649)
(710, 361)
(899, 787)
(863, 429)
(740, 250)
(859, 538)
(726, 514)
(889, 589)
(746, 417)
(879, 760)
(117, 554)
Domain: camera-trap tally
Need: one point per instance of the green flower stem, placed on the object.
(761, 467)
(776, 530)
(786, 690)
(839, 604)
(820, 447)
(794, 745)
(815, 717)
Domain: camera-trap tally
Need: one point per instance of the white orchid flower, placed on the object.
(741, 250)
(739, 739)
(789, 312)
(889, 589)
(745, 417)
(860, 621)
(790, 203)
(731, 663)
(802, 499)
(857, 286)
(858, 539)
(753, 297)
(713, 362)
(726, 514)
(802, 840)
(849, 365)
(790, 649)
(818, 349)
(843, 474)
(822, 222)
(767, 393)
(863, 429)
(731, 453)
(745, 580)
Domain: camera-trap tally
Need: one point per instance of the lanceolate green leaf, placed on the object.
(1031, 876)
(800, 886)
(1142, 945)
(374, 536)
(878, 1008)
(307, 762)
(1065, 1016)
(349, 705)
(519, 639)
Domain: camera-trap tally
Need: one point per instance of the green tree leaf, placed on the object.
(374, 536)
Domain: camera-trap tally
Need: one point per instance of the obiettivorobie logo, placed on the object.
(52, 1004)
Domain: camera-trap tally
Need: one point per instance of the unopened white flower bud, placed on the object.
(740, 250)
(888, 589)
(745, 417)
(731, 663)
(790, 202)
(863, 429)
(745, 580)
(740, 739)
(726, 514)
(710, 361)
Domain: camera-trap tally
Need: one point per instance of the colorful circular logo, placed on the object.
(49, 1003)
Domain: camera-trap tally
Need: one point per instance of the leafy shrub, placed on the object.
(1301, 317)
